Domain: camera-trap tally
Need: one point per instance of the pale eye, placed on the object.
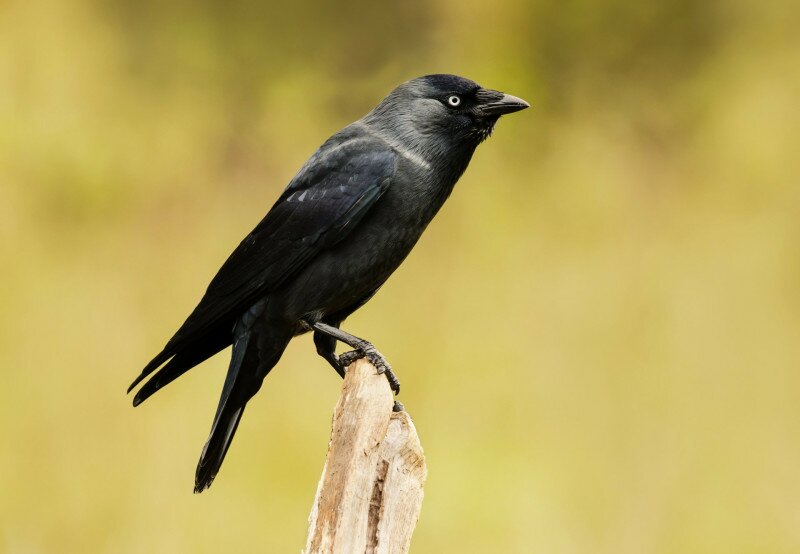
(454, 100)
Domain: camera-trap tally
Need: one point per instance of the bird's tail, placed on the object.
(217, 446)
(180, 363)
(257, 347)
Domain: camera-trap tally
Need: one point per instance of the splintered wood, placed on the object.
(370, 494)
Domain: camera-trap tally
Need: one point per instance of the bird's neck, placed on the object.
(426, 152)
(399, 144)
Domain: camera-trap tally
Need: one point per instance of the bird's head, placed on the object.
(444, 107)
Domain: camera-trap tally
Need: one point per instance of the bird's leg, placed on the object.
(363, 349)
(326, 347)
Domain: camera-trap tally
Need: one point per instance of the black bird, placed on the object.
(345, 222)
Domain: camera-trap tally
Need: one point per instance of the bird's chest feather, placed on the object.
(417, 195)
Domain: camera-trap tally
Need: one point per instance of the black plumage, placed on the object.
(345, 222)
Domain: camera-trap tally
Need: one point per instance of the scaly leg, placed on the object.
(362, 349)
(326, 347)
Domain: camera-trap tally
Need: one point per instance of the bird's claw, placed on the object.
(375, 358)
(380, 363)
(347, 358)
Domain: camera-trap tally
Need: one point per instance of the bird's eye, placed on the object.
(454, 100)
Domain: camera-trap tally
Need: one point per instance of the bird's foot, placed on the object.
(347, 358)
(366, 350)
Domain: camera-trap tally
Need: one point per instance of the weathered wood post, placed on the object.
(370, 493)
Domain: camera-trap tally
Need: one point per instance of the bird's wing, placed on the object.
(319, 208)
(322, 204)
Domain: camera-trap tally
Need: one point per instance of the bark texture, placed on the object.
(370, 493)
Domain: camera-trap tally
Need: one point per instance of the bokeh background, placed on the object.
(598, 338)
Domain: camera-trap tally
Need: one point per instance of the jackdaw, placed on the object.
(343, 224)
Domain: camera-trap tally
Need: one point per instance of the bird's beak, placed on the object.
(498, 103)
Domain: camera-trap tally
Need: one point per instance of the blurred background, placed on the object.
(598, 337)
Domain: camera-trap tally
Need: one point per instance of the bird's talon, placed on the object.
(374, 357)
(347, 358)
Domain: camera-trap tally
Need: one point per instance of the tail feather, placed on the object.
(215, 449)
(160, 358)
(192, 333)
(257, 347)
(180, 364)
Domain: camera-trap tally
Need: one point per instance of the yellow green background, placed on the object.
(598, 337)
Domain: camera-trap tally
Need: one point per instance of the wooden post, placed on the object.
(370, 493)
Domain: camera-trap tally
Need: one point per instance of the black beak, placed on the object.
(498, 103)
